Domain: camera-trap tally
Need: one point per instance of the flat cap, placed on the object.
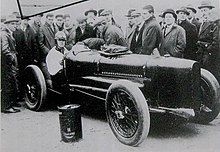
(81, 19)
(105, 12)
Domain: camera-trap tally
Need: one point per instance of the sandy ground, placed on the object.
(30, 131)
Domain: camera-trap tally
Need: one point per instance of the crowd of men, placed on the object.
(179, 34)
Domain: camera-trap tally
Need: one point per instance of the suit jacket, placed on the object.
(88, 33)
(174, 42)
(70, 35)
(191, 39)
(114, 35)
(149, 38)
(46, 40)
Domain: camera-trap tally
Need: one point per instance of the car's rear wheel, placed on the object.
(35, 88)
(210, 106)
(127, 113)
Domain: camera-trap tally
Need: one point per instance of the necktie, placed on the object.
(137, 32)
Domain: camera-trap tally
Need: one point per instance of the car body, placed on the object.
(133, 86)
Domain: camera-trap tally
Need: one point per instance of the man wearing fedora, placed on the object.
(130, 23)
(174, 41)
(9, 66)
(208, 41)
(191, 33)
(192, 16)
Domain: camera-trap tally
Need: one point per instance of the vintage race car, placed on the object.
(132, 86)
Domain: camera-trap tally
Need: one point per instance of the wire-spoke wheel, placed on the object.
(127, 113)
(35, 88)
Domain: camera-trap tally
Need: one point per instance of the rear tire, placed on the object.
(35, 88)
(127, 113)
(210, 98)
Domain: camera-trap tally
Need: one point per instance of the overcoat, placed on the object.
(113, 35)
(149, 38)
(88, 33)
(174, 42)
(9, 86)
(191, 39)
(209, 35)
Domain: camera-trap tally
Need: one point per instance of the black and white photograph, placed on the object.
(110, 76)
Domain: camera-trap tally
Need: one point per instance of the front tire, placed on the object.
(35, 88)
(127, 113)
(210, 98)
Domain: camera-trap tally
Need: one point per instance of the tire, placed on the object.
(35, 88)
(127, 113)
(210, 98)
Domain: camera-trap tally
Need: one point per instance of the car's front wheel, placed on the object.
(127, 113)
(210, 105)
(35, 88)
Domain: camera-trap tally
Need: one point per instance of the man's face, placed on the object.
(67, 22)
(169, 19)
(61, 43)
(49, 20)
(91, 14)
(24, 22)
(59, 21)
(82, 24)
(191, 14)
(131, 21)
(138, 19)
(12, 26)
(181, 16)
(205, 12)
(101, 26)
(108, 17)
(145, 14)
(37, 19)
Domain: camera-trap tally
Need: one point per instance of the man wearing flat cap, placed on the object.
(174, 41)
(83, 31)
(148, 32)
(208, 41)
(191, 33)
(192, 16)
(9, 66)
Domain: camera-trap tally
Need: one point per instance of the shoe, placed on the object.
(11, 110)
(16, 105)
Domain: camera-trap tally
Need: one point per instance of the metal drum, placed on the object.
(70, 123)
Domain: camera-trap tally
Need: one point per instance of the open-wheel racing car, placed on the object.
(132, 86)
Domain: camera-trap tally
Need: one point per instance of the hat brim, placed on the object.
(93, 11)
(208, 6)
(187, 13)
(193, 9)
(174, 15)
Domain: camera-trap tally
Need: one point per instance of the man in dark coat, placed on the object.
(8, 66)
(36, 25)
(191, 34)
(208, 41)
(70, 31)
(46, 43)
(83, 31)
(31, 54)
(174, 41)
(148, 32)
(191, 16)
